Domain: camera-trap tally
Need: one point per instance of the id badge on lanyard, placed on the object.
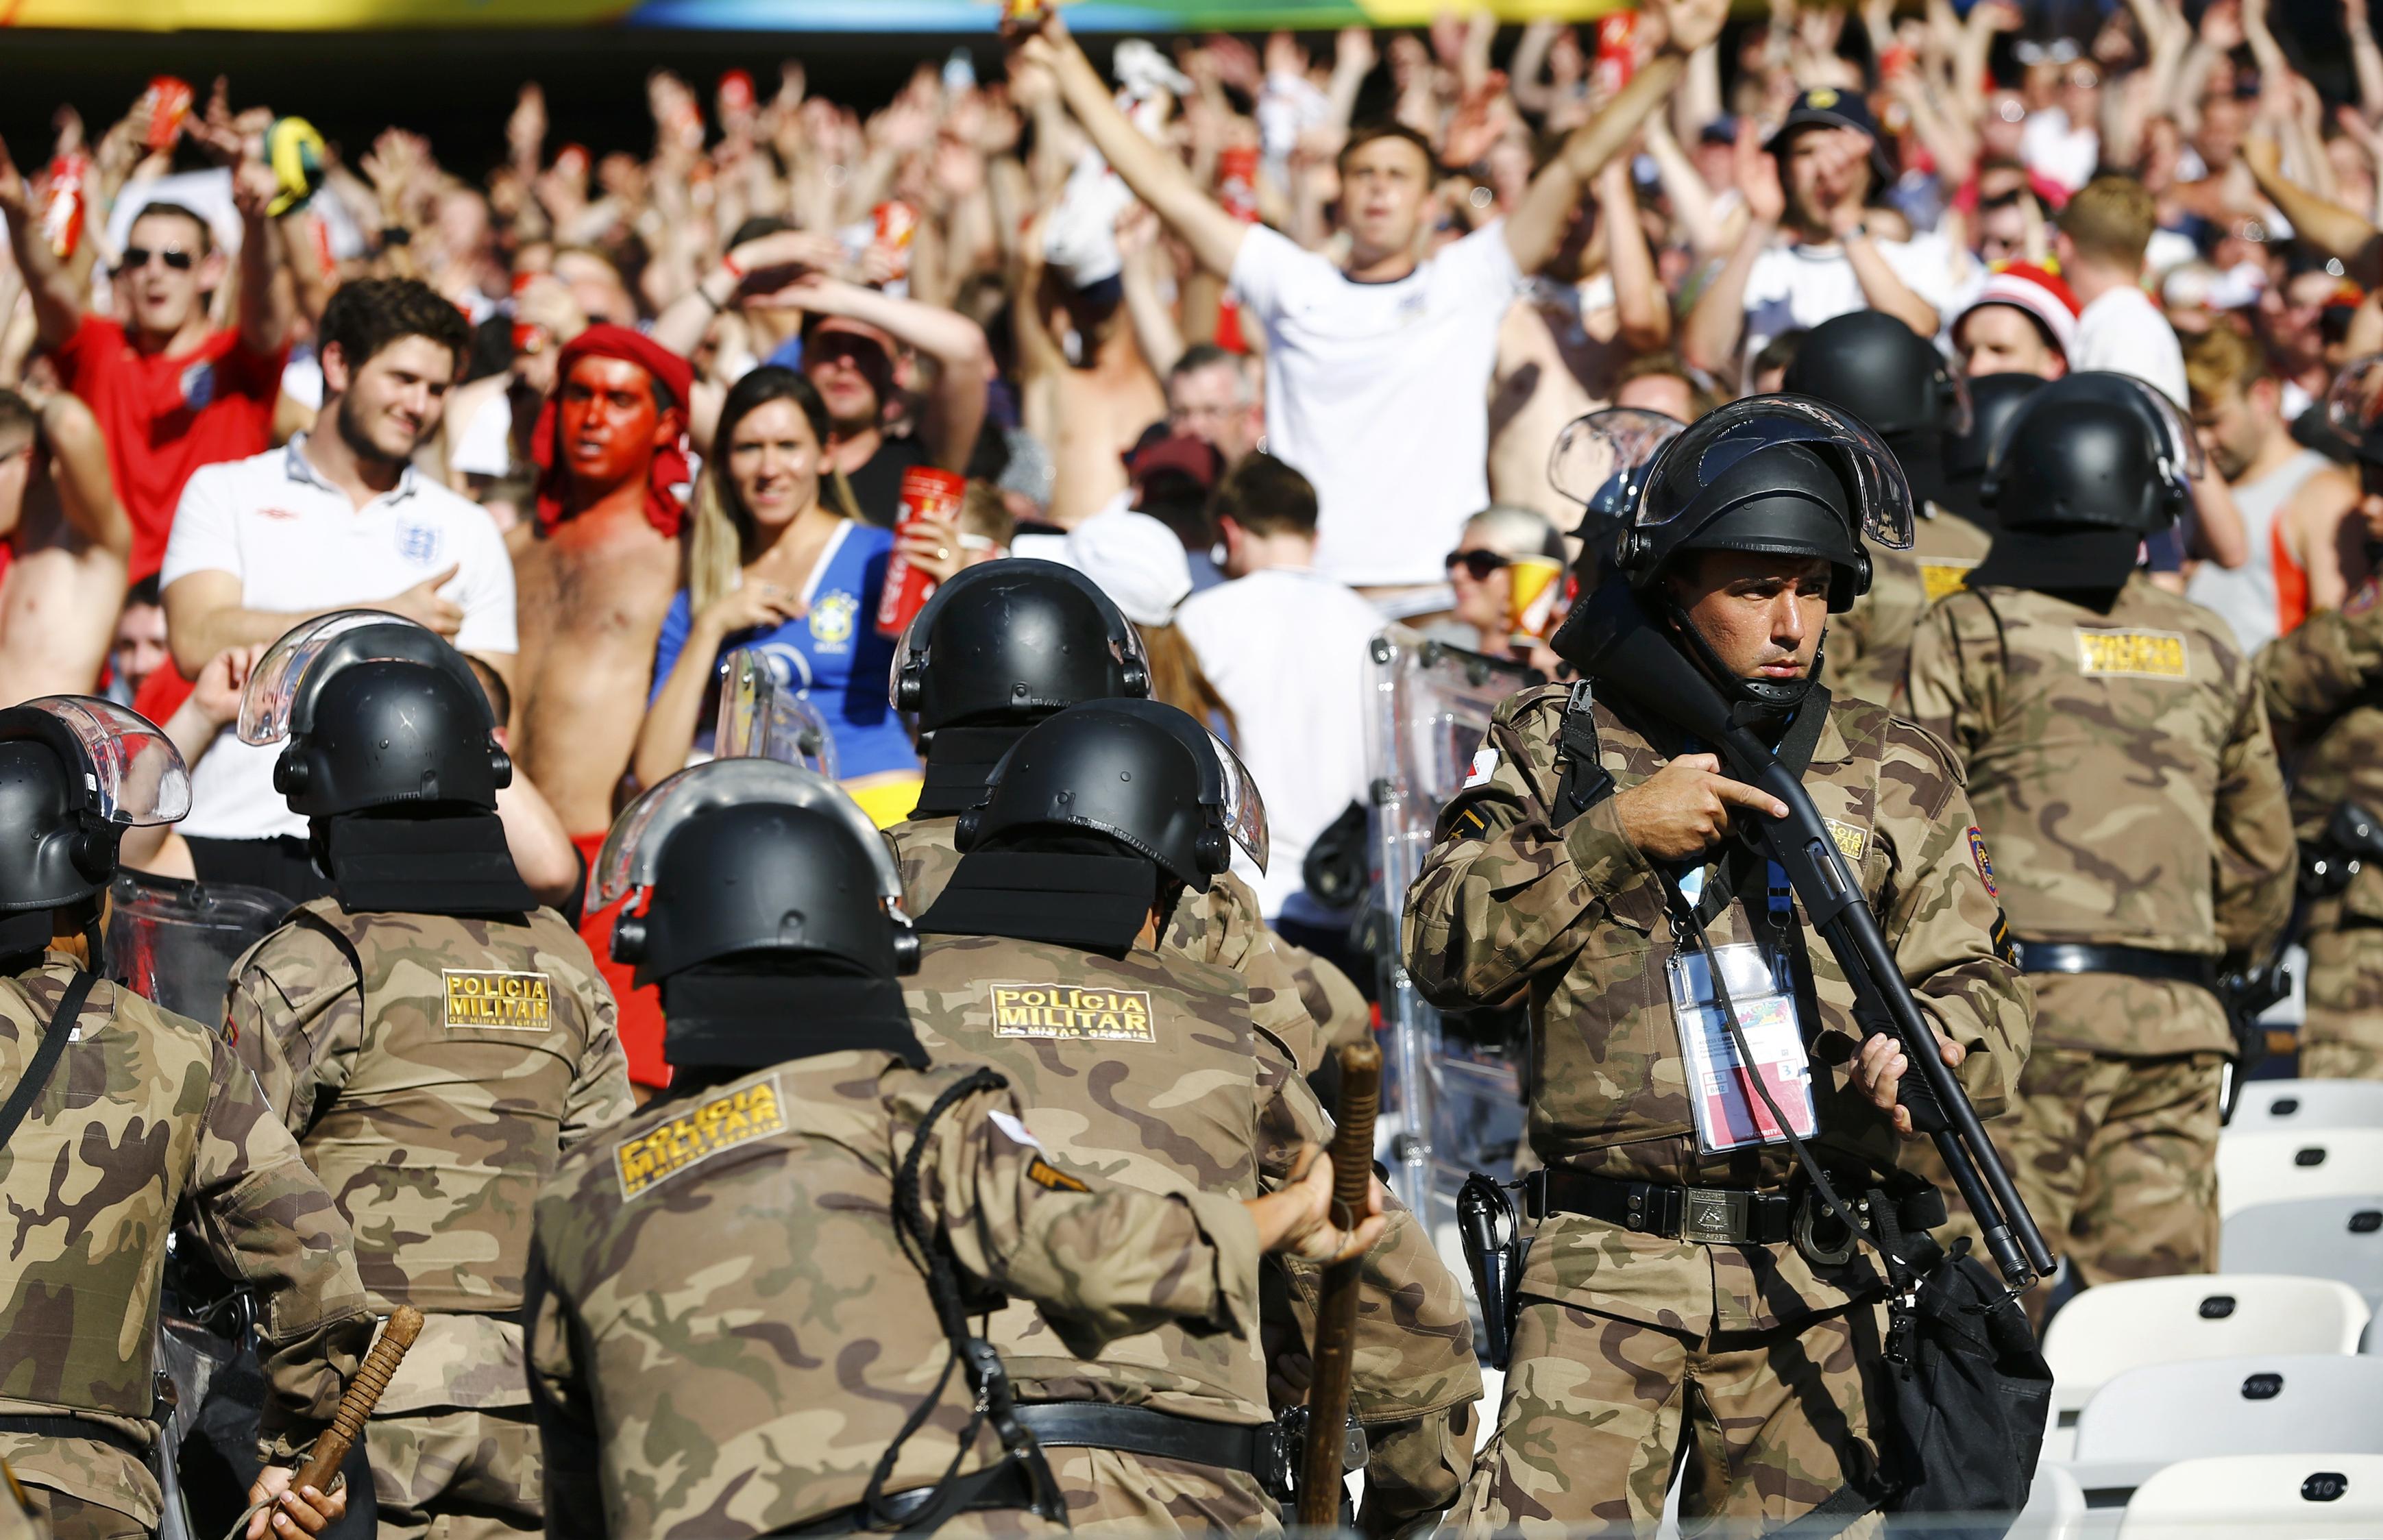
(1730, 1115)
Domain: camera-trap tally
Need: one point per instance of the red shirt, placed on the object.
(167, 416)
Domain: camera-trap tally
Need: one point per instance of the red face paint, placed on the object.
(609, 421)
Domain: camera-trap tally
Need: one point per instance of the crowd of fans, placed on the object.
(1273, 338)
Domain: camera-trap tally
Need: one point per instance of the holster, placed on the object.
(1494, 1249)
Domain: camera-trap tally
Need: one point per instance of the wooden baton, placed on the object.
(1336, 1309)
(364, 1394)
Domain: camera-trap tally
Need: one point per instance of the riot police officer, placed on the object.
(998, 649)
(2320, 684)
(809, 1178)
(1665, 1312)
(1042, 958)
(1007, 645)
(1895, 383)
(123, 1120)
(428, 1014)
(2120, 764)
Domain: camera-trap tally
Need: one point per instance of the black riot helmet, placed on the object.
(380, 712)
(75, 773)
(2091, 465)
(1872, 365)
(746, 856)
(1014, 641)
(773, 920)
(1777, 474)
(1994, 400)
(1138, 771)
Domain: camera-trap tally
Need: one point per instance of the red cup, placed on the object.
(64, 202)
(926, 493)
(1236, 181)
(1617, 50)
(169, 106)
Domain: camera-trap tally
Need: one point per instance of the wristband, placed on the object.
(728, 264)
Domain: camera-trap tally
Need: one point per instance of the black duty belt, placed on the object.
(1708, 1215)
(2134, 962)
(1252, 1449)
(1002, 1486)
(76, 1427)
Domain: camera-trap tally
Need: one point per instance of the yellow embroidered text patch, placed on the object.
(1066, 1010)
(709, 1128)
(499, 1002)
(2131, 654)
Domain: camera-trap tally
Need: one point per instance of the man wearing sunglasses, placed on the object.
(171, 392)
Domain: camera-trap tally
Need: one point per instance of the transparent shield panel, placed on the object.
(136, 774)
(272, 688)
(1245, 813)
(764, 717)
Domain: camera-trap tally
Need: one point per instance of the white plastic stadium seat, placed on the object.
(2148, 1419)
(2317, 1238)
(2106, 1331)
(2055, 1508)
(2299, 1106)
(2279, 1165)
(2319, 1496)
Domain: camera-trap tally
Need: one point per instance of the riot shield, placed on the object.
(1453, 1090)
(174, 942)
(763, 715)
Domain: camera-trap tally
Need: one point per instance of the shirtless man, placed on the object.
(59, 600)
(1091, 409)
(1562, 348)
(596, 571)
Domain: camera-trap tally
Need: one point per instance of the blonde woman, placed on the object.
(778, 561)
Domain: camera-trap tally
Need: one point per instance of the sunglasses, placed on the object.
(137, 257)
(1478, 563)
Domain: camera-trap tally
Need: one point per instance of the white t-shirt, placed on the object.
(298, 544)
(1795, 285)
(2124, 332)
(1378, 394)
(1286, 649)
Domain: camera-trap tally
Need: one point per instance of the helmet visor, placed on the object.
(1245, 813)
(633, 850)
(135, 773)
(272, 688)
(1592, 451)
(762, 717)
(2354, 403)
(1879, 498)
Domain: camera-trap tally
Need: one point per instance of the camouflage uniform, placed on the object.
(1868, 644)
(1222, 926)
(469, 1053)
(2121, 768)
(1172, 1089)
(147, 1120)
(2322, 684)
(728, 1345)
(1627, 1342)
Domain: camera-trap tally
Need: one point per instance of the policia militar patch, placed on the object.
(709, 1129)
(2131, 654)
(499, 1002)
(1066, 1011)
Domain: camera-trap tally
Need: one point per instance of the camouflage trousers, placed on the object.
(1111, 1492)
(61, 1517)
(2116, 1159)
(455, 1473)
(2343, 1037)
(1765, 1426)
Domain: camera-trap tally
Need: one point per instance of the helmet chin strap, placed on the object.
(1764, 707)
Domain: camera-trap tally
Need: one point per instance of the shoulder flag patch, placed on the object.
(1985, 862)
(1484, 765)
(1944, 576)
